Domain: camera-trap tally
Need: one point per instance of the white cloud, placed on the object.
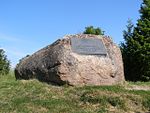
(1, 48)
(16, 48)
(12, 39)
(8, 38)
(14, 55)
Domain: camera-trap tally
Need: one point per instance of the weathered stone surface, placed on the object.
(57, 63)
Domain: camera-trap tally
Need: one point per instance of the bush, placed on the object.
(4, 63)
(94, 31)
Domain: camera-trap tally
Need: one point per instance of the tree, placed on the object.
(126, 49)
(92, 30)
(136, 48)
(4, 63)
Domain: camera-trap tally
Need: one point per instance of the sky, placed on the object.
(29, 25)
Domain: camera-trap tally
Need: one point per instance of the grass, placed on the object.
(35, 97)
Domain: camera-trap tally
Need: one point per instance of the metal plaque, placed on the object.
(88, 46)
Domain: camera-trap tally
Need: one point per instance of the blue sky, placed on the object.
(29, 25)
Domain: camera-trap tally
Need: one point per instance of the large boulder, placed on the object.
(60, 63)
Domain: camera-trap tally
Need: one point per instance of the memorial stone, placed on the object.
(81, 59)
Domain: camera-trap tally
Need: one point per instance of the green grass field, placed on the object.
(35, 97)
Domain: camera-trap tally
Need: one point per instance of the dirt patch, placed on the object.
(136, 87)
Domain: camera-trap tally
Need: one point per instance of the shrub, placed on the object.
(4, 63)
(92, 30)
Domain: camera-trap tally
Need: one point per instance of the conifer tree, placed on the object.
(136, 48)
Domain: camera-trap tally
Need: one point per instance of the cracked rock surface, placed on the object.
(58, 64)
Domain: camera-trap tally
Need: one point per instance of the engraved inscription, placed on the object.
(88, 46)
